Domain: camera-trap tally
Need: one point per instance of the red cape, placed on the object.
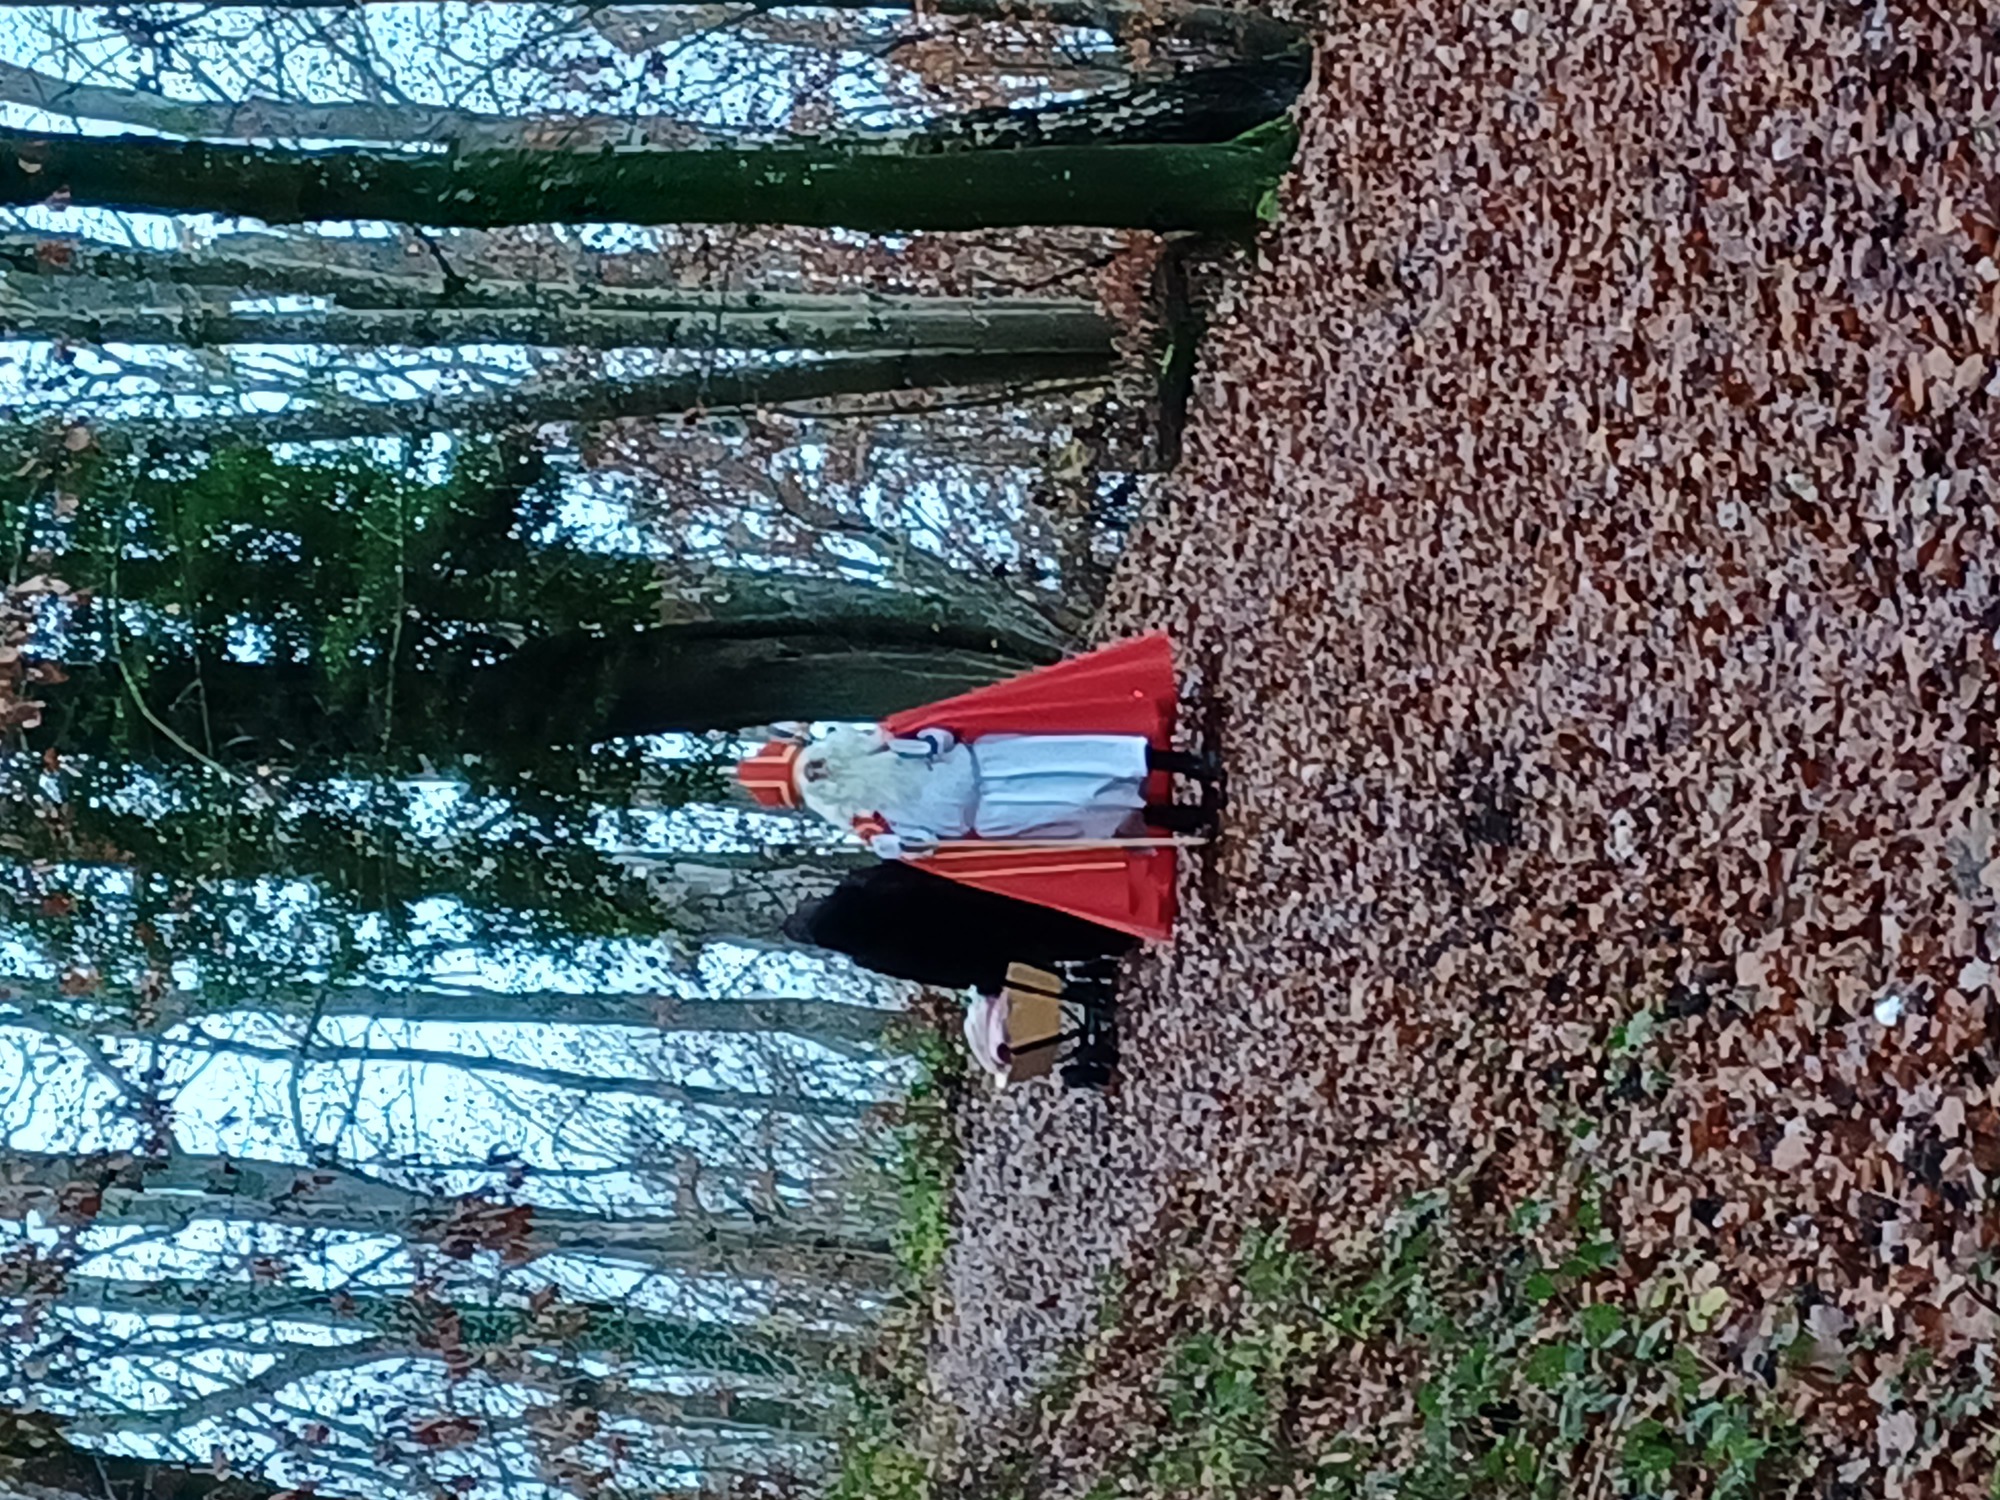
(1127, 688)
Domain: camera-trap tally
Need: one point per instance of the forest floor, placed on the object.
(1583, 1078)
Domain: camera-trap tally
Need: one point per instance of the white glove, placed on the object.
(925, 744)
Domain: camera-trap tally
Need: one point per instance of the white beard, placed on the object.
(860, 776)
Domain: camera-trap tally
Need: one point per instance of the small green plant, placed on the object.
(927, 1158)
(923, 1220)
(878, 1463)
(1532, 1373)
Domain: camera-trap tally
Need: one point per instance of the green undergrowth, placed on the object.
(1525, 1378)
(1490, 1367)
(927, 1155)
(880, 1447)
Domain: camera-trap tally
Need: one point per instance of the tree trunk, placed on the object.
(470, 599)
(535, 403)
(38, 1459)
(663, 1090)
(415, 1325)
(183, 1189)
(1245, 28)
(466, 568)
(730, 1411)
(819, 325)
(551, 694)
(942, 607)
(551, 882)
(750, 903)
(246, 264)
(1218, 187)
(856, 1031)
(1199, 105)
(267, 266)
(571, 590)
(274, 119)
(1196, 107)
(295, 1363)
(576, 689)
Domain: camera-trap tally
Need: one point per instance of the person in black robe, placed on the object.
(897, 919)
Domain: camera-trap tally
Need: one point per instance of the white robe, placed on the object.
(931, 786)
(1066, 786)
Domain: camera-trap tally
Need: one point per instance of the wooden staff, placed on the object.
(1065, 846)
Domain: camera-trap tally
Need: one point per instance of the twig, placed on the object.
(146, 712)
(396, 629)
(455, 285)
(138, 459)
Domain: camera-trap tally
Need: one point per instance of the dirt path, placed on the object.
(1589, 504)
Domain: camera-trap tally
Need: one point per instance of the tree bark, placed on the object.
(1216, 187)
(551, 694)
(822, 325)
(183, 1189)
(751, 903)
(289, 268)
(534, 404)
(576, 689)
(274, 119)
(468, 569)
(295, 1363)
(1245, 28)
(856, 1031)
(415, 1325)
(38, 1459)
(943, 608)
(553, 883)
(1196, 107)
(50, 268)
(664, 1090)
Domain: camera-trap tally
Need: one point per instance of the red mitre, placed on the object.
(768, 774)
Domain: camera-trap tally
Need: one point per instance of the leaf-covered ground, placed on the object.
(1583, 1076)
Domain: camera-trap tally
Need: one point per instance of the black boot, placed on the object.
(1171, 817)
(1203, 766)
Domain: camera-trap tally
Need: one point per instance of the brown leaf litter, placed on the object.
(1589, 513)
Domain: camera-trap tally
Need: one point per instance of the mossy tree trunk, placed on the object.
(1211, 186)
(809, 324)
(577, 688)
(182, 1188)
(535, 403)
(1247, 29)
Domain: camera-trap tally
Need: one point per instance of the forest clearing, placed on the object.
(444, 439)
